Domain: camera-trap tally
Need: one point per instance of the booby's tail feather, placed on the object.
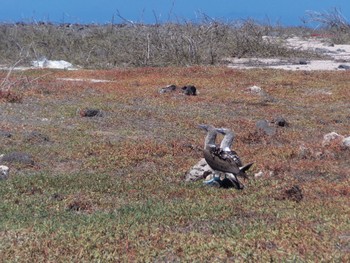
(246, 167)
(243, 169)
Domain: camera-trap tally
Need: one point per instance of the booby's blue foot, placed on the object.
(214, 182)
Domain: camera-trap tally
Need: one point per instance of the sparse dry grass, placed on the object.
(111, 188)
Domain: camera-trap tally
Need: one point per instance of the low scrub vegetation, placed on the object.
(333, 24)
(208, 42)
(111, 187)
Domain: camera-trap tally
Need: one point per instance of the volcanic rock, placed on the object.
(198, 172)
(167, 89)
(189, 90)
(89, 112)
(4, 172)
(264, 127)
(17, 157)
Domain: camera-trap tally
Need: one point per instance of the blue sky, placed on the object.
(285, 12)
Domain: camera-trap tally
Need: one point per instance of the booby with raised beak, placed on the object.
(210, 145)
(229, 155)
(210, 139)
(223, 160)
(220, 160)
(226, 144)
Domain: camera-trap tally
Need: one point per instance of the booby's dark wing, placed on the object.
(216, 162)
(232, 155)
(228, 165)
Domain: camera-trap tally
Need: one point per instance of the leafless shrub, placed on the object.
(135, 44)
(333, 21)
(11, 87)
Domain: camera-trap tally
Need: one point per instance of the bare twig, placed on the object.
(4, 85)
(333, 19)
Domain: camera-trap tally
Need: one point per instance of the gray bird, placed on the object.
(226, 144)
(219, 160)
(210, 139)
(210, 145)
(223, 158)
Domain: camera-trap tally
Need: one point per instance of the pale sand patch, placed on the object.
(2, 67)
(338, 55)
(337, 52)
(87, 80)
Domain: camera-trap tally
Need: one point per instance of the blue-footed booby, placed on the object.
(223, 160)
(210, 145)
(230, 156)
(220, 160)
(226, 144)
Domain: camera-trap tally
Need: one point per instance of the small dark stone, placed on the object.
(294, 194)
(34, 190)
(57, 197)
(343, 66)
(189, 90)
(18, 157)
(280, 121)
(323, 122)
(321, 50)
(90, 113)
(36, 137)
(79, 205)
(303, 62)
(169, 88)
(5, 134)
(74, 207)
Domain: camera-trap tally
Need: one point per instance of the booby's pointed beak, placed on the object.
(203, 127)
(221, 130)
